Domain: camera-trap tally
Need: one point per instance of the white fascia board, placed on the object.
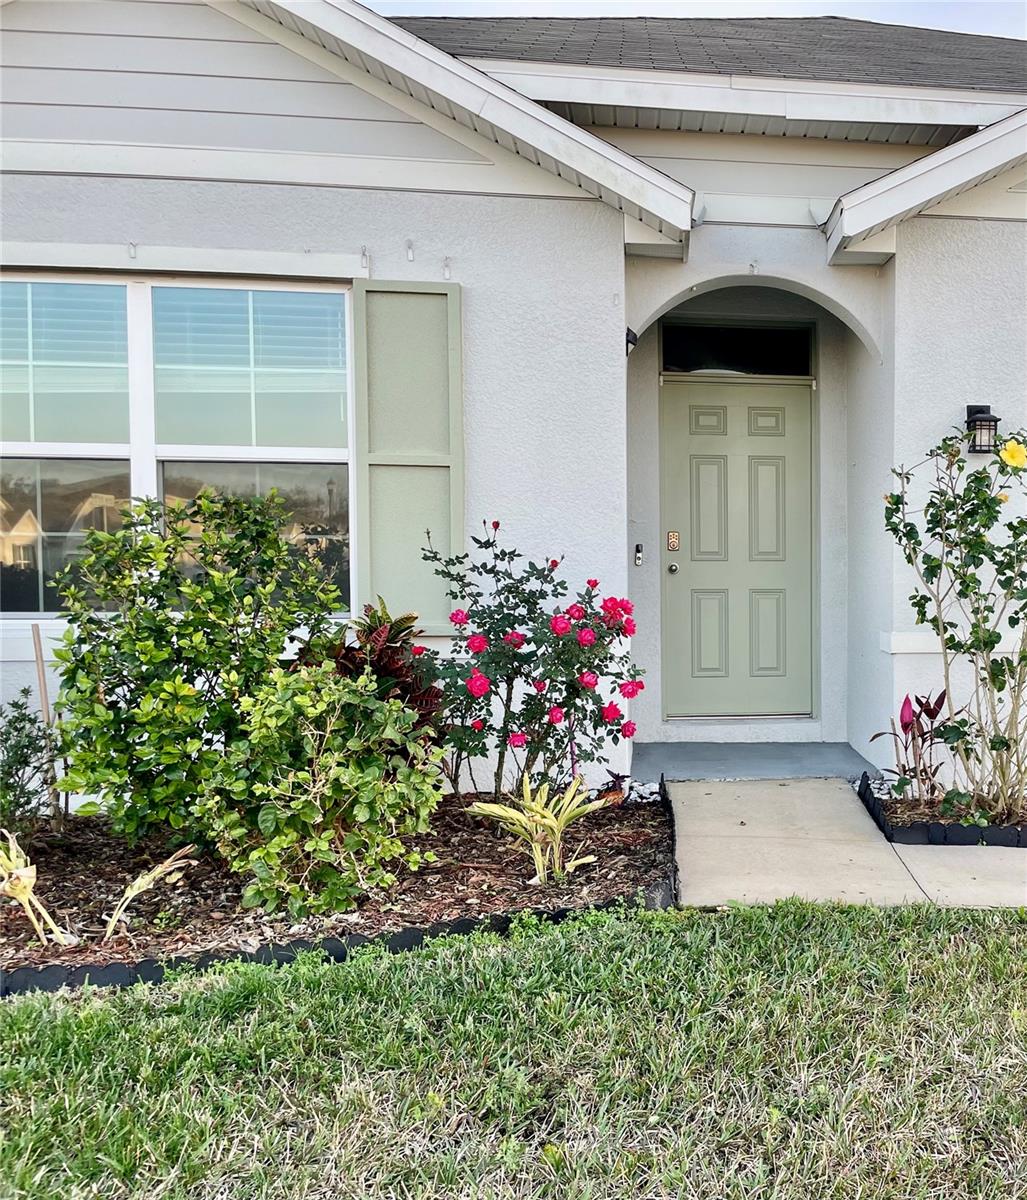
(903, 193)
(490, 108)
(748, 95)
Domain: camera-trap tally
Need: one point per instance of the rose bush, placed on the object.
(530, 675)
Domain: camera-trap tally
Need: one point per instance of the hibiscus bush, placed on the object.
(538, 675)
(963, 530)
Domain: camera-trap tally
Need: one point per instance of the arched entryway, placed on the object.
(740, 437)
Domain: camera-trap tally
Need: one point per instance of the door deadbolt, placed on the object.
(673, 568)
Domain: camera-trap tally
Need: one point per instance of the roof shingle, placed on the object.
(827, 48)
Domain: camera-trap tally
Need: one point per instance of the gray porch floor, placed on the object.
(747, 760)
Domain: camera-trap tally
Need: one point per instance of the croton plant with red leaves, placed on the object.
(534, 669)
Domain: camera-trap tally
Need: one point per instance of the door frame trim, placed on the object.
(815, 539)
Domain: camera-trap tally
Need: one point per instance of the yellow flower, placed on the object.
(1014, 454)
(1002, 497)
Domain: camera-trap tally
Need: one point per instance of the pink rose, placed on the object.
(539, 685)
(626, 607)
(592, 583)
(629, 627)
(495, 525)
(630, 688)
(586, 636)
(417, 651)
(477, 643)
(477, 684)
(458, 616)
(560, 625)
(514, 638)
(555, 715)
(611, 608)
(575, 612)
(588, 679)
(478, 725)
(553, 564)
(611, 713)
(517, 740)
(628, 729)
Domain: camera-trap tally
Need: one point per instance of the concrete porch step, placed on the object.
(747, 760)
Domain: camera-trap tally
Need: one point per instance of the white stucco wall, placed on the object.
(960, 338)
(543, 328)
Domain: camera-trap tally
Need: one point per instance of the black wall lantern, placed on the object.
(631, 340)
(982, 428)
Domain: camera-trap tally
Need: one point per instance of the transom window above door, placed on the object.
(111, 389)
(736, 349)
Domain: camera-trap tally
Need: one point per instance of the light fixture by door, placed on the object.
(982, 426)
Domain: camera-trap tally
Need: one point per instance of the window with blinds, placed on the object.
(235, 389)
(63, 362)
(249, 368)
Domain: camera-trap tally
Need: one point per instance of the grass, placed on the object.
(794, 1053)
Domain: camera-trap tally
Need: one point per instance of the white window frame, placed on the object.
(143, 452)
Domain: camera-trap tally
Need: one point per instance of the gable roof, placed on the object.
(884, 202)
(824, 48)
(432, 77)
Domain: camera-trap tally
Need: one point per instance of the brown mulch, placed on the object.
(82, 873)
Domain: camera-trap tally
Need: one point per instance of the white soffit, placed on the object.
(878, 206)
(648, 99)
(432, 77)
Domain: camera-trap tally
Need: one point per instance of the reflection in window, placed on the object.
(249, 368)
(63, 362)
(46, 507)
(316, 496)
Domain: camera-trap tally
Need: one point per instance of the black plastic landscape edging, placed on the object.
(660, 895)
(939, 833)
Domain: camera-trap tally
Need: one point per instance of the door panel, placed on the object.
(736, 484)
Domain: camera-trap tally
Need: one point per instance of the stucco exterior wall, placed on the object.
(960, 338)
(543, 328)
(869, 458)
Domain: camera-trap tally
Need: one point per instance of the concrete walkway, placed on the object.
(757, 841)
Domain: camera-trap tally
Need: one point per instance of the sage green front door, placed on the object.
(737, 590)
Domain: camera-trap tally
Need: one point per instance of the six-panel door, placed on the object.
(736, 489)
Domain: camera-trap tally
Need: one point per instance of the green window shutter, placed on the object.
(408, 441)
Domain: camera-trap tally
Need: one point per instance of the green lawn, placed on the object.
(795, 1052)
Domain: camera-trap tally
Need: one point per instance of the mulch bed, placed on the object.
(911, 823)
(82, 873)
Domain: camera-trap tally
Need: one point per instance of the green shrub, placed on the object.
(26, 764)
(203, 599)
(316, 796)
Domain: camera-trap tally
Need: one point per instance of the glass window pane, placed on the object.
(296, 408)
(239, 367)
(14, 322)
(736, 349)
(316, 496)
(15, 402)
(60, 550)
(203, 407)
(79, 323)
(46, 505)
(194, 327)
(65, 353)
(80, 404)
